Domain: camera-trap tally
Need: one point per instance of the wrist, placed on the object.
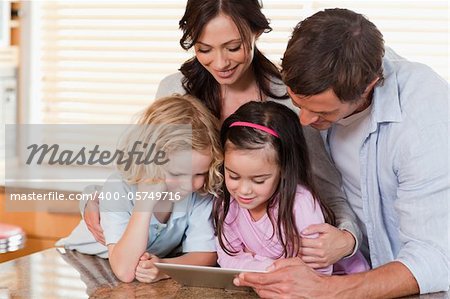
(350, 243)
(339, 286)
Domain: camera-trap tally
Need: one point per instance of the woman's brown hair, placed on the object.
(248, 17)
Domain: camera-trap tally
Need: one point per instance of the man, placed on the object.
(385, 123)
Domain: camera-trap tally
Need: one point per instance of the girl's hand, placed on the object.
(146, 271)
(331, 245)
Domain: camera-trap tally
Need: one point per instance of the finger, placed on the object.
(283, 263)
(152, 256)
(144, 278)
(147, 264)
(145, 256)
(311, 243)
(312, 252)
(237, 281)
(99, 238)
(315, 229)
(259, 279)
(144, 271)
(92, 220)
(312, 259)
(97, 232)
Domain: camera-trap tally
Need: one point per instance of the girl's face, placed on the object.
(186, 171)
(251, 177)
(220, 49)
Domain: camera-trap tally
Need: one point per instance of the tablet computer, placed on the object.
(201, 276)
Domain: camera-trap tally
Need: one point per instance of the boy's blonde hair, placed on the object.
(174, 123)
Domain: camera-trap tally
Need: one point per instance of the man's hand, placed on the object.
(287, 278)
(331, 245)
(146, 271)
(92, 219)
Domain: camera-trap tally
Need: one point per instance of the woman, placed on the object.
(228, 71)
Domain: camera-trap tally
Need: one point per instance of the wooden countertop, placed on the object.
(51, 274)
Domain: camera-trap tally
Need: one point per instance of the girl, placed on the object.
(269, 195)
(139, 228)
(228, 70)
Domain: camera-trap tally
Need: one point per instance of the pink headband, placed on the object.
(255, 126)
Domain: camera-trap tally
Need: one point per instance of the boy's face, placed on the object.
(323, 109)
(186, 171)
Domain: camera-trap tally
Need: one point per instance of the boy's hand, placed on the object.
(146, 271)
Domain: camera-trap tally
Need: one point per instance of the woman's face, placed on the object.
(220, 49)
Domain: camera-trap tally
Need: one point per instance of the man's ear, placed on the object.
(370, 86)
(289, 91)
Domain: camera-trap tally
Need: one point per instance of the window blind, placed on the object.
(101, 62)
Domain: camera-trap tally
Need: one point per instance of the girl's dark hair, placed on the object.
(292, 158)
(248, 17)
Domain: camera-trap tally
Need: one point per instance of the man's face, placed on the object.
(323, 109)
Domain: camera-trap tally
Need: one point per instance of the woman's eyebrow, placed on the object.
(226, 43)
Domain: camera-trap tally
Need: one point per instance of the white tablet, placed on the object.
(200, 276)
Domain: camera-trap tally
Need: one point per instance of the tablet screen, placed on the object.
(201, 276)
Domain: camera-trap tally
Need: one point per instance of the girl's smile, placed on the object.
(251, 177)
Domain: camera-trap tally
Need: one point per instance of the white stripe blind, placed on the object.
(101, 62)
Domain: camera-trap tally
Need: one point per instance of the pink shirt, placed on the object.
(257, 248)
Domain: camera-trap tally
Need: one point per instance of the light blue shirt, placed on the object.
(405, 182)
(189, 224)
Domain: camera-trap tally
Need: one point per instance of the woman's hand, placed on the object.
(146, 271)
(92, 218)
(331, 245)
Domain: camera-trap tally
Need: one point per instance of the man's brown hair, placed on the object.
(334, 48)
